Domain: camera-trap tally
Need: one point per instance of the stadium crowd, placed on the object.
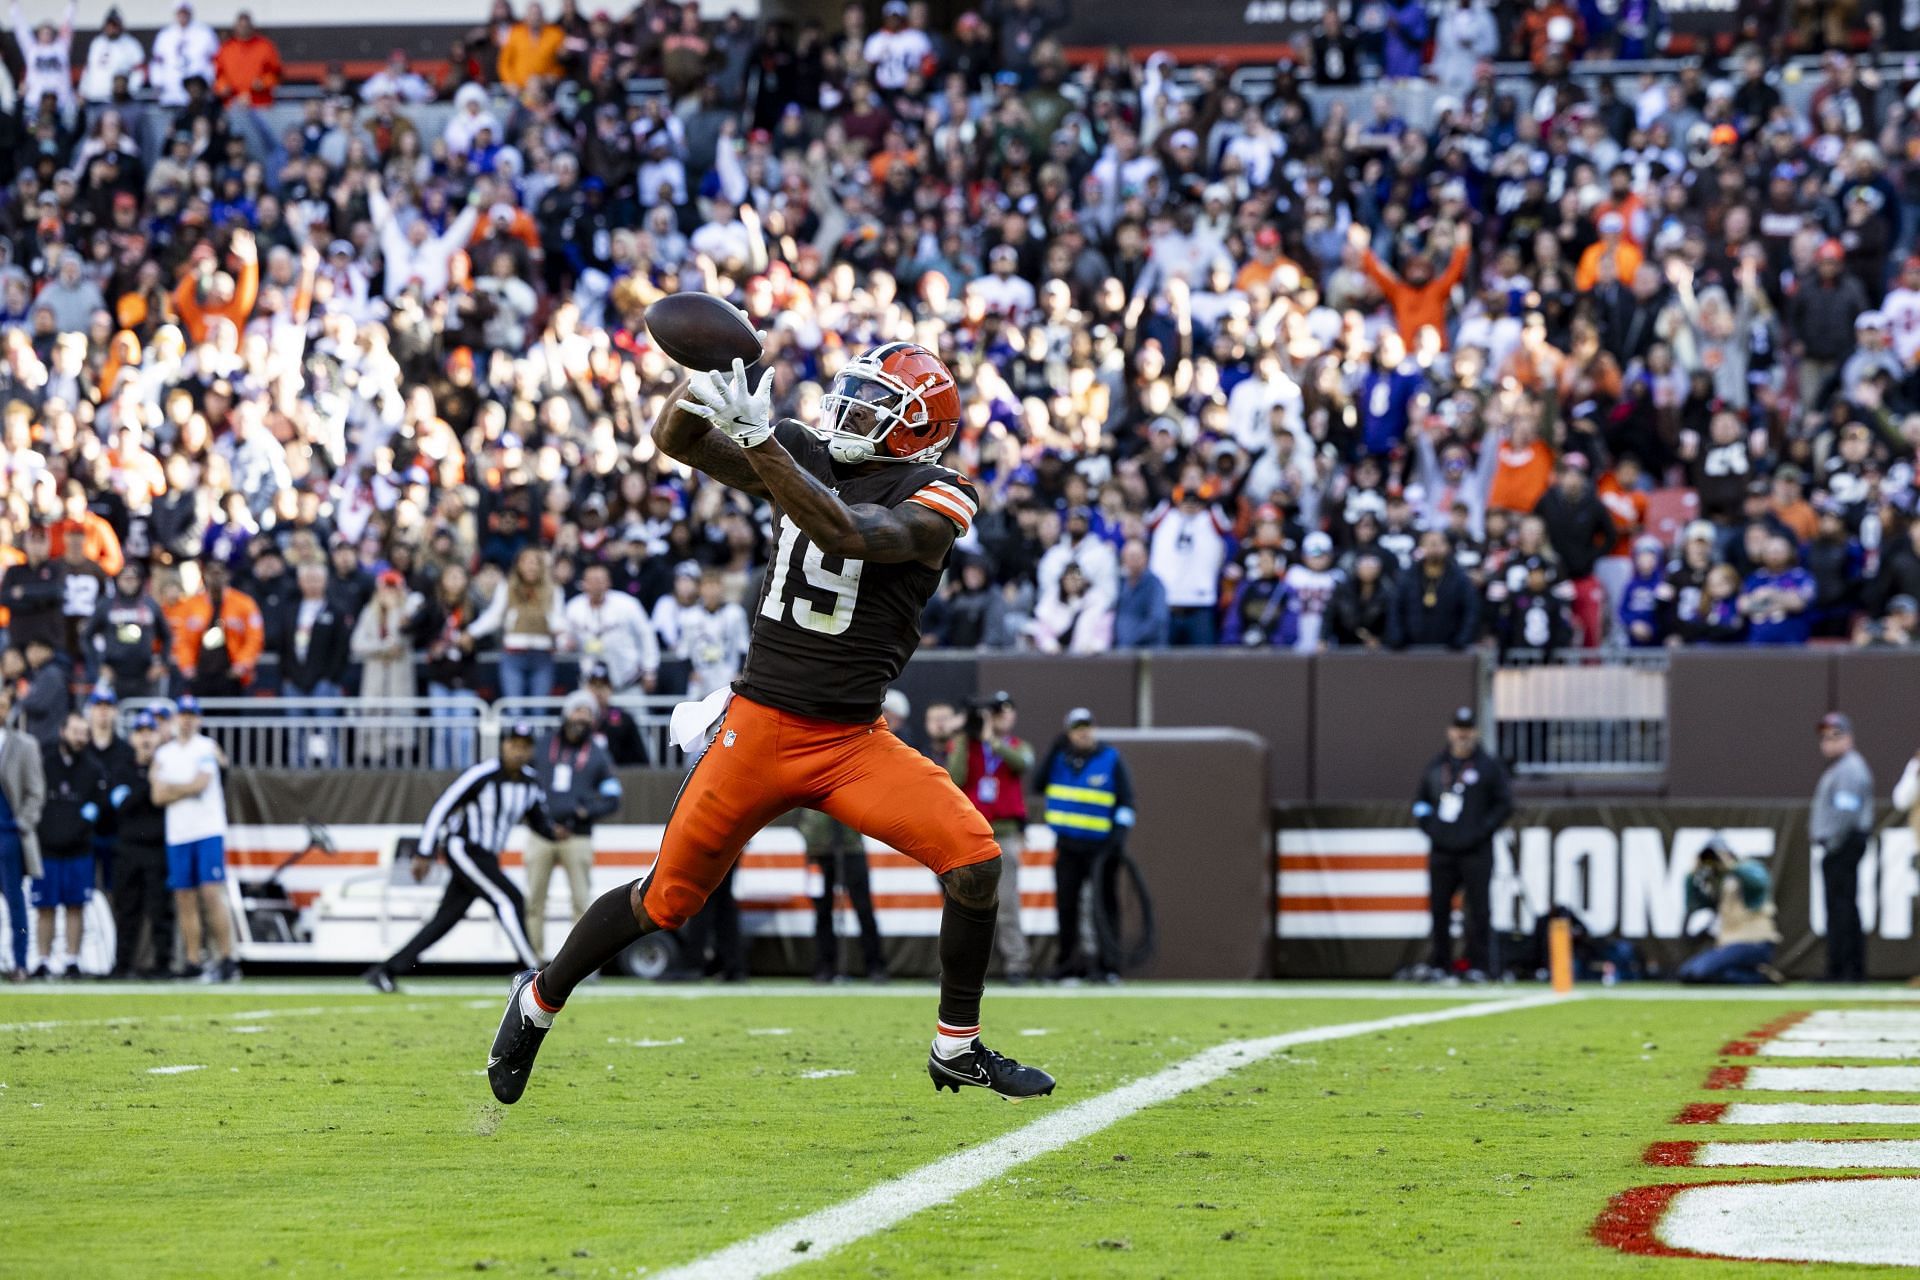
(370, 392)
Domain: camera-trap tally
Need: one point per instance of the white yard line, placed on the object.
(1832, 1079)
(1821, 1113)
(1898, 1049)
(900, 1198)
(1854, 1153)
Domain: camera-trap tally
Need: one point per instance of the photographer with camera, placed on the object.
(989, 763)
(1741, 892)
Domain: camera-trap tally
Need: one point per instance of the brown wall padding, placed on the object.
(1881, 691)
(1740, 725)
(1205, 845)
(1267, 694)
(1378, 718)
(1046, 688)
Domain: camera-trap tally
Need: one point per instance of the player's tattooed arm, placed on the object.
(688, 438)
(881, 535)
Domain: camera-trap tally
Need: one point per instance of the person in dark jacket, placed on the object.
(48, 697)
(33, 594)
(1533, 615)
(313, 640)
(576, 777)
(1358, 616)
(1434, 604)
(1899, 572)
(141, 900)
(128, 638)
(111, 752)
(76, 794)
(1580, 530)
(1463, 800)
(1089, 805)
(614, 728)
(840, 853)
(1820, 315)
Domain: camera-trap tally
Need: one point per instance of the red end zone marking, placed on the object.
(1674, 1155)
(1701, 1113)
(1749, 1045)
(1726, 1078)
(1628, 1221)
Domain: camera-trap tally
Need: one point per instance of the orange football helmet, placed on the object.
(895, 403)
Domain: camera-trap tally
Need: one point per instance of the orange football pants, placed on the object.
(764, 762)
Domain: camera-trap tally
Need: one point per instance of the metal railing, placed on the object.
(650, 712)
(1600, 711)
(450, 732)
(346, 733)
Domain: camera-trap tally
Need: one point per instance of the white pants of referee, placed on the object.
(476, 876)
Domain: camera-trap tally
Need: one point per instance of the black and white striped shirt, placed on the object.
(481, 809)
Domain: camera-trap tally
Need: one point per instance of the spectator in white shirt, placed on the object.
(609, 626)
(397, 80)
(1003, 292)
(470, 116)
(1187, 553)
(1079, 546)
(415, 257)
(670, 610)
(47, 51)
(181, 50)
(726, 238)
(110, 55)
(896, 50)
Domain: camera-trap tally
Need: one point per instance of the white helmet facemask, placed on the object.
(864, 406)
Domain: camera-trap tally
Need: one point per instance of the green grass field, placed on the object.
(326, 1131)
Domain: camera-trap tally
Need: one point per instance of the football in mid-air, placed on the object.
(700, 331)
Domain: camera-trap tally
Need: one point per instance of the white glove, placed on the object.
(734, 406)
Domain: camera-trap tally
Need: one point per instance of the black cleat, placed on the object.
(510, 1061)
(380, 980)
(982, 1068)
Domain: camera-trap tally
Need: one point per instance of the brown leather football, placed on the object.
(700, 331)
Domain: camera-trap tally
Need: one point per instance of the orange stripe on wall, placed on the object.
(1330, 902)
(1353, 862)
(605, 858)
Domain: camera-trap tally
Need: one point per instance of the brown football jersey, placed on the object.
(829, 633)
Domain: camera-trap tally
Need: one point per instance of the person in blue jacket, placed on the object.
(1089, 805)
(1640, 601)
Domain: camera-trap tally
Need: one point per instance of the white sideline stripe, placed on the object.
(245, 1015)
(1833, 1079)
(1862, 1018)
(433, 988)
(1822, 1113)
(1851, 1153)
(176, 1071)
(900, 1198)
(1840, 1049)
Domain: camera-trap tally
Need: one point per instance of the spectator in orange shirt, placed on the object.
(1417, 296)
(532, 49)
(205, 290)
(1625, 201)
(1621, 493)
(1259, 270)
(97, 536)
(247, 68)
(1790, 503)
(1525, 469)
(1534, 362)
(218, 633)
(1612, 244)
(1552, 29)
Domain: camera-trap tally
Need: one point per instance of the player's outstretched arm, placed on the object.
(882, 535)
(687, 438)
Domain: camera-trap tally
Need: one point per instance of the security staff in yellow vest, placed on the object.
(1089, 805)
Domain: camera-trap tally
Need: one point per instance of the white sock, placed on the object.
(951, 1042)
(531, 1008)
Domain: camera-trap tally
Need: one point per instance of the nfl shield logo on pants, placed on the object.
(728, 740)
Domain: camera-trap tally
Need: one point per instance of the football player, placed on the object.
(866, 522)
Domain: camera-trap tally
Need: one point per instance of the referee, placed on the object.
(470, 823)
